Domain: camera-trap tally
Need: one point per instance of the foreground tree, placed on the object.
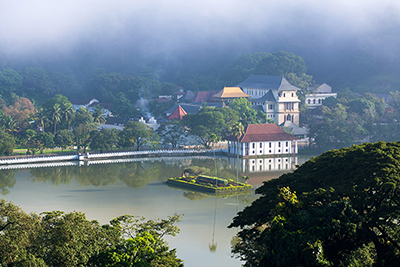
(69, 239)
(144, 244)
(338, 209)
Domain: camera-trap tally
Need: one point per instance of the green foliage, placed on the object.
(137, 134)
(45, 139)
(338, 209)
(243, 107)
(10, 81)
(7, 143)
(286, 64)
(69, 239)
(64, 138)
(83, 125)
(210, 121)
(104, 139)
(123, 107)
(144, 244)
(172, 133)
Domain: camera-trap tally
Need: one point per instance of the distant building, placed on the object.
(316, 96)
(230, 93)
(275, 95)
(263, 140)
(178, 114)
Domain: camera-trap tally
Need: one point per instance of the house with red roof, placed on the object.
(178, 114)
(263, 140)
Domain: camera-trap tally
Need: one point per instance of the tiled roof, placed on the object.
(230, 92)
(189, 108)
(267, 82)
(324, 88)
(204, 96)
(263, 133)
(269, 96)
(178, 114)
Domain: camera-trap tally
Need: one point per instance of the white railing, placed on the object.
(38, 159)
(89, 156)
(146, 153)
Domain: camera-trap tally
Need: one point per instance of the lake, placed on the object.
(105, 189)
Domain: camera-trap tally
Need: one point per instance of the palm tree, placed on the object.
(237, 130)
(67, 112)
(41, 119)
(10, 124)
(56, 116)
(98, 115)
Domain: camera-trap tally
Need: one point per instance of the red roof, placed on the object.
(263, 133)
(204, 96)
(178, 114)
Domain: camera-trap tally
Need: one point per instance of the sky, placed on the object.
(167, 29)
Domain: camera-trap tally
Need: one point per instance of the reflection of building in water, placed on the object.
(264, 164)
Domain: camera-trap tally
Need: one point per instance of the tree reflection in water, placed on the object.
(7, 180)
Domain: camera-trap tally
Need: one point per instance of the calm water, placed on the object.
(109, 188)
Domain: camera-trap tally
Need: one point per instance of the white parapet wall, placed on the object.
(38, 159)
(88, 156)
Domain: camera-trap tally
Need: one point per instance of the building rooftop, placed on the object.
(230, 92)
(178, 114)
(263, 133)
(268, 83)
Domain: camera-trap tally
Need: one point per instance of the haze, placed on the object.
(125, 32)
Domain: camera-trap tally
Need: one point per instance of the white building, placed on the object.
(263, 140)
(315, 98)
(275, 95)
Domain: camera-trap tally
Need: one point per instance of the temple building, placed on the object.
(230, 93)
(263, 140)
(275, 95)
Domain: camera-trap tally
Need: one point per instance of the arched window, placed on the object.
(319, 101)
(309, 101)
(314, 101)
(288, 117)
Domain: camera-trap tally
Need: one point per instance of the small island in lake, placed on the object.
(208, 184)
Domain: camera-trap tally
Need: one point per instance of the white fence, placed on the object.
(88, 156)
(38, 159)
(147, 153)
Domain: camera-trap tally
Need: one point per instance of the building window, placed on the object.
(254, 152)
(284, 95)
(270, 145)
(309, 101)
(279, 144)
(260, 145)
(287, 143)
(260, 167)
(260, 151)
(314, 101)
(292, 95)
(254, 145)
(286, 150)
(270, 151)
(319, 101)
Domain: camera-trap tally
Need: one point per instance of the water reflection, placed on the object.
(106, 189)
(138, 172)
(7, 181)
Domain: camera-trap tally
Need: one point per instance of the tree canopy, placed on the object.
(337, 209)
(69, 239)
